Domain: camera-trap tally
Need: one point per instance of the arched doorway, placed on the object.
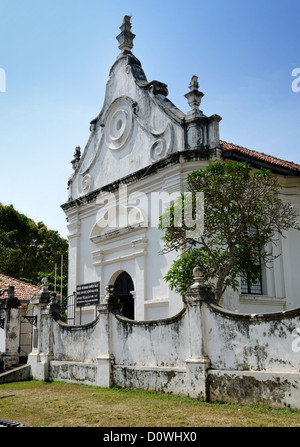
(122, 287)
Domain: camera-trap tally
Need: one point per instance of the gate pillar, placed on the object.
(10, 329)
(198, 362)
(41, 354)
(105, 359)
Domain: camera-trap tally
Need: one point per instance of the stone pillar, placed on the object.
(10, 330)
(198, 362)
(41, 354)
(105, 359)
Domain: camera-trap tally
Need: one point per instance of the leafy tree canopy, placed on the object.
(28, 248)
(242, 214)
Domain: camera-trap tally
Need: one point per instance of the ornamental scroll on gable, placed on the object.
(137, 125)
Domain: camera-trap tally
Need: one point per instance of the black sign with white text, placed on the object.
(88, 294)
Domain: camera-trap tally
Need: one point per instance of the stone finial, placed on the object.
(45, 285)
(194, 97)
(76, 159)
(43, 296)
(12, 301)
(54, 306)
(197, 275)
(198, 291)
(109, 290)
(125, 38)
(53, 298)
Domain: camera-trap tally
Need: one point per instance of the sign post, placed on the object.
(88, 294)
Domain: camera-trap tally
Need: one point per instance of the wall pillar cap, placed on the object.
(197, 275)
(44, 296)
(198, 360)
(198, 291)
(110, 357)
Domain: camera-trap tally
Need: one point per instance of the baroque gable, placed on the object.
(137, 126)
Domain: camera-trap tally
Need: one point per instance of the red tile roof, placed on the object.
(23, 290)
(229, 147)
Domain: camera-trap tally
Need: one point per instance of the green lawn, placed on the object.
(57, 404)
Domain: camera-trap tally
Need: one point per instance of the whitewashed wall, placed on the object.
(205, 352)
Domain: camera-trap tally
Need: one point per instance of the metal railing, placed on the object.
(67, 306)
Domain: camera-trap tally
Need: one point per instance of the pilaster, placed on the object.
(74, 228)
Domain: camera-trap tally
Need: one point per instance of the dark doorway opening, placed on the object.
(122, 288)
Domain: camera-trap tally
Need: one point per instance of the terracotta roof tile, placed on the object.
(23, 290)
(229, 147)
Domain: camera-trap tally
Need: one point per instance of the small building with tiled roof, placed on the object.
(142, 146)
(259, 159)
(15, 328)
(22, 290)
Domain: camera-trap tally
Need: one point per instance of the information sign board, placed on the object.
(88, 294)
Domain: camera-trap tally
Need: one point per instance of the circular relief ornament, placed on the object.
(158, 149)
(86, 184)
(118, 126)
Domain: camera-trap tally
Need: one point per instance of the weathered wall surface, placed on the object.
(73, 343)
(156, 343)
(257, 342)
(204, 352)
(151, 355)
(277, 390)
(253, 358)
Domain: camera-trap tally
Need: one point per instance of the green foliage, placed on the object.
(53, 285)
(27, 248)
(242, 213)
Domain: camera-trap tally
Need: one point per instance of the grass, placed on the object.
(57, 404)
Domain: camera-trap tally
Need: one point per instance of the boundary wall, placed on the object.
(204, 352)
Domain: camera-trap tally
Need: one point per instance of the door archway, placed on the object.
(122, 287)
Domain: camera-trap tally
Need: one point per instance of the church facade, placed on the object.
(140, 150)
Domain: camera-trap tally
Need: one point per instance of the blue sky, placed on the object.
(57, 54)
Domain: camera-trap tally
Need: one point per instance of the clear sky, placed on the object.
(56, 55)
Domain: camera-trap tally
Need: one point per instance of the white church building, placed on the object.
(140, 150)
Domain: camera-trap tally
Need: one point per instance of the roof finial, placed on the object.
(194, 97)
(76, 159)
(125, 38)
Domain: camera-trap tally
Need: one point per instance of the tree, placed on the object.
(27, 248)
(242, 213)
(54, 282)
